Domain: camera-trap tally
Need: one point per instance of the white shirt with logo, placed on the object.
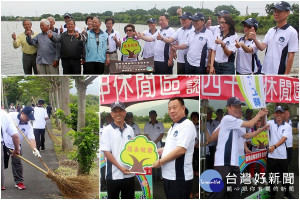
(162, 49)
(220, 55)
(40, 114)
(26, 128)
(227, 153)
(275, 134)
(8, 128)
(154, 131)
(148, 50)
(280, 41)
(182, 134)
(136, 129)
(113, 140)
(181, 35)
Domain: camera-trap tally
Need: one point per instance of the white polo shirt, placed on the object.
(215, 29)
(280, 41)
(227, 153)
(241, 143)
(198, 44)
(136, 129)
(181, 35)
(289, 140)
(245, 62)
(26, 128)
(112, 46)
(154, 131)
(162, 49)
(114, 140)
(275, 134)
(8, 128)
(148, 50)
(40, 114)
(221, 57)
(182, 134)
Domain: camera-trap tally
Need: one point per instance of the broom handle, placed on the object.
(32, 147)
(30, 163)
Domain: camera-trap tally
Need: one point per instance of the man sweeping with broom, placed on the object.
(21, 120)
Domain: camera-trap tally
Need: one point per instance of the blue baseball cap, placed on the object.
(279, 108)
(282, 5)
(151, 20)
(186, 15)
(198, 16)
(252, 22)
(67, 15)
(117, 104)
(222, 12)
(29, 112)
(234, 101)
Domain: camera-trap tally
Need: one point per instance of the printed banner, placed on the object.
(278, 88)
(255, 157)
(252, 89)
(129, 88)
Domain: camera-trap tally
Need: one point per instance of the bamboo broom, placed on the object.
(52, 136)
(77, 187)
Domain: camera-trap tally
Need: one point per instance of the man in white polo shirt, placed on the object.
(22, 120)
(130, 121)
(148, 50)
(281, 42)
(154, 130)
(199, 43)
(8, 129)
(177, 155)
(277, 157)
(163, 53)
(227, 154)
(181, 35)
(113, 139)
(39, 124)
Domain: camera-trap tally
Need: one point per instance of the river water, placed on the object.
(11, 59)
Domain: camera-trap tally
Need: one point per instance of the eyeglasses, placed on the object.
(222, 23)
(248, 26)
(129, 30)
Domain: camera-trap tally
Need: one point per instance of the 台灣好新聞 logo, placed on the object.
(211, 181)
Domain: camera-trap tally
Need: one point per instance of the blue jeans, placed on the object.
(190, 69)
(224, 68)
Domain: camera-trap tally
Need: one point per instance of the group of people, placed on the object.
(228, 137)
(176, 156)
(198, 47)
(15, 126)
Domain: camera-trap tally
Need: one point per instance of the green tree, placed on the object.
(231, 9)
(268, 9)
(173, 10)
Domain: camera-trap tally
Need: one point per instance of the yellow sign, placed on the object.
(261, 140)
(139, 153)
(130, 47)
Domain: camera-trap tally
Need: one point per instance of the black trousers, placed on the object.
(125, 186)
(235, 193)
(180, 68)
(29, 63)
(178, 189)
(275, 166)
(289, 151)
(71, 66)
(39, 135)
(93, 68)
(162, 68)
(210, 159)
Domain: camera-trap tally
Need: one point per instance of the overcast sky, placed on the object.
(37, 8)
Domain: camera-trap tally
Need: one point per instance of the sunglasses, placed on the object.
(248, 26)
(129, 30)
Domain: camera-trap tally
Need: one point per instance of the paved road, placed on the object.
(37, 185)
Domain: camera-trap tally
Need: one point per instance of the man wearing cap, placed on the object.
(181, 35)
(39, 124)
(114, 41)
(227, 154)
(29, 52)
(114, 137)
(216, 29)
(148, 50)
(22, 121)
(64, 28)
(277, 156)
(163, 53)
(130, 122)
(154, 130)
(177, 155)
(280, 42)
(247, 61)
(8, 129)
(199, 43)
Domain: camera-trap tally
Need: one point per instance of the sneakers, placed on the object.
(288, 196)
(2, 188)
(43, 149)
(20, 186)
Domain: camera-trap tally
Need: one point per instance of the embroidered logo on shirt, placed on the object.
(164, 34)
(283, 131)
(281, 39)
(23, 130)
(129, 137)
(158, 128)
(227, 43)
(175, 133)
(201, 38)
